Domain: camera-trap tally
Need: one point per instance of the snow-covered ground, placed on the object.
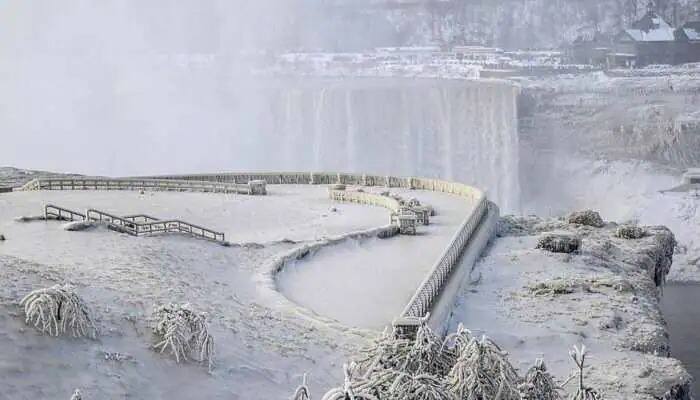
(262, 351)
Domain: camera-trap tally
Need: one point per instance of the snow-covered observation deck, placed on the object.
(434, 298)
(251, 315)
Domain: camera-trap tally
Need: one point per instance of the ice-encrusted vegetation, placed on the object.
(185, 332)
(57, 310)
(460, 367)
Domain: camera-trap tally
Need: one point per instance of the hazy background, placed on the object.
(126, 87)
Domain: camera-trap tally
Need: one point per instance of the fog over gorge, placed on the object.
(127, 87)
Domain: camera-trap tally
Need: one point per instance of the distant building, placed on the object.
(650, 40)
(592, 51)
(688, 43)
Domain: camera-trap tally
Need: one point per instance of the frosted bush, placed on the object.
(57, 310)
(559, 243)
(460, 367)
(586, 217)
(539, 384)
(77, 395)
(420, 387)
(630, 232)
(482, 370)
(184, 332)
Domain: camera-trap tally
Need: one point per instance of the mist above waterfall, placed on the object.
(129, 88)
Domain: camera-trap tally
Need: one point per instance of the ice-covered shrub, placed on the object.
(77, 395)
(185, 332)
(559, 243)
(552, 287)
(420, 387)
(586, 217)
(482, 370)
(57, 310)
(460, 367)
(539, 384)
(630, 232)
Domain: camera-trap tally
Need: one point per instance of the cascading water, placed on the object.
(452, 129)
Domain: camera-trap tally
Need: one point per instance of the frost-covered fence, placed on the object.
(422, 302)
(62, 214)
(141, 184)
(365, 198)
(151, 225)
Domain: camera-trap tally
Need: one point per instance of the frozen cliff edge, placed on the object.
(606, 295)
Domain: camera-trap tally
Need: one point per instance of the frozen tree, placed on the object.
(57, 310)
(185, 332)
(578, 354)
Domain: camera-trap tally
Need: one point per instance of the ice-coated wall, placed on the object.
(457, 130)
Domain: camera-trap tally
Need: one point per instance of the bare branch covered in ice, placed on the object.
(185, 332)
(57, 310)
(578, 355)
(302, 392)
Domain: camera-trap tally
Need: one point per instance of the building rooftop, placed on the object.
(651, 28)
(691, 30)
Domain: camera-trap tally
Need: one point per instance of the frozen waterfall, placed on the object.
(453, 129)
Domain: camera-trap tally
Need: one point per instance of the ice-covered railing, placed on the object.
(425, 298)
(365, 198)
(97, 183)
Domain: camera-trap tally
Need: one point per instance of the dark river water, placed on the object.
(681, 307)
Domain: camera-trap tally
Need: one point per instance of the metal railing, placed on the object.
(141, 218)
(178, 226)
(151, 225)
(91, 183)
(62, 214)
